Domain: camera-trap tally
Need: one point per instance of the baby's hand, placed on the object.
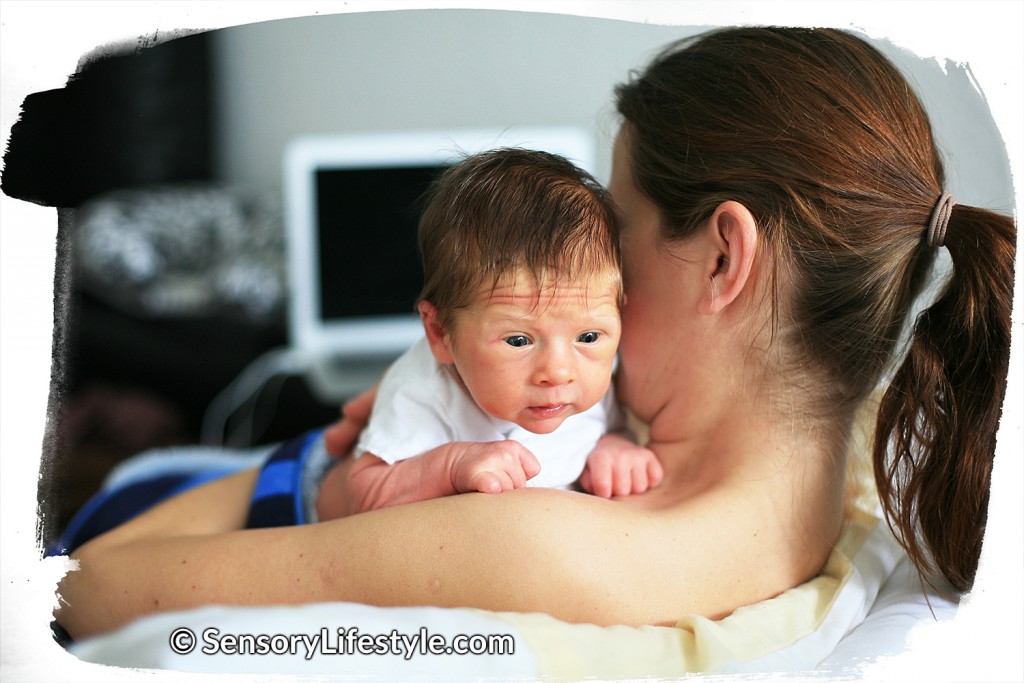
(492, 467)
(619, 467)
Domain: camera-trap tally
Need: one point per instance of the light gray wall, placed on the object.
(418, 69)
(440, 68)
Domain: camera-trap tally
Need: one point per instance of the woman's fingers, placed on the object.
(340, 437)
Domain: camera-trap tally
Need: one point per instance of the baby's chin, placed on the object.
(546, 427)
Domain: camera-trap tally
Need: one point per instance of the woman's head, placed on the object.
(819, 137)
(507, 212)
(822, 140)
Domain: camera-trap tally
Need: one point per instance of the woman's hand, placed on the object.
(334, 500)
(341, 436)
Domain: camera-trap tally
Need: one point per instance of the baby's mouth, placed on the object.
(548, 411)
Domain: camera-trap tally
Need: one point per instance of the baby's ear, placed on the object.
(440, 344)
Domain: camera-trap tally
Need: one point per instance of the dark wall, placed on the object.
(126, 118)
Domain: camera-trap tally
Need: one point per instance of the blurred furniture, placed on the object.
(153, 319)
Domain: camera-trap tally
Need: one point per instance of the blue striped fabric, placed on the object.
(277, 498)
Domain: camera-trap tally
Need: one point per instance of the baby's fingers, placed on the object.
(529, 463)
(489, 482)
(625, 476)
(655, 472)
(585, 481)
(599, 479)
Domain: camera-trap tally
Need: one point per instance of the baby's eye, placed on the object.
(588, 337)
(517, 341)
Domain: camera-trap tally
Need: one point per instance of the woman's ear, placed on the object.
(732, 233)
(440, 343)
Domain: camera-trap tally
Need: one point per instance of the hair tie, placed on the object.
(940, 219)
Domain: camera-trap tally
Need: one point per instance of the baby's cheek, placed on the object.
(497, 406)
(603, 376)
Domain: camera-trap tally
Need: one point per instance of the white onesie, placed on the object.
(422, 404)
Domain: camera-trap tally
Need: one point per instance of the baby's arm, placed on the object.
(619, 467)
(456, 467)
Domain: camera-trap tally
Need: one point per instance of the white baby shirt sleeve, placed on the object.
(409, 414)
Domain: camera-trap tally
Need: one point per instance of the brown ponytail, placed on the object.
(935, 437)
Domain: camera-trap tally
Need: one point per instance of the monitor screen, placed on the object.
(367, 220)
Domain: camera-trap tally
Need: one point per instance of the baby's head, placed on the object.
(500, 212)
(522, 285)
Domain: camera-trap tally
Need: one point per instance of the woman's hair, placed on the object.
(495, 212)
(823, 140)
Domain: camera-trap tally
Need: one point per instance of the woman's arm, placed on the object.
(191, 551)
(104, 592)
(571, 555)
(577, 557)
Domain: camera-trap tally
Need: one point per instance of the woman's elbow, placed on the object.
(86, 604)
(73, 585)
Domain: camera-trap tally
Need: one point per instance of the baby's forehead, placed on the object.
(522, 287)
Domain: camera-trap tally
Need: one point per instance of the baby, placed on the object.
(511, 385)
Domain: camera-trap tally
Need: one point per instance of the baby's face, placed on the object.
(535, 354)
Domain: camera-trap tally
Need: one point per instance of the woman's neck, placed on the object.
(743, 446)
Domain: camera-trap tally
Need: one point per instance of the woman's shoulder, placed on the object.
(707, 554)
(750, 540)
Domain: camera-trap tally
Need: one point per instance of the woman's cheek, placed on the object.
(632, 336)
(631, 367)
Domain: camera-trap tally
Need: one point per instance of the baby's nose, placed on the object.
(554, 368)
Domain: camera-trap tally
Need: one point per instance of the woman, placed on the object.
(781, 204)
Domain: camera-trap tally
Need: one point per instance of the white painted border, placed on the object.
(40, 46)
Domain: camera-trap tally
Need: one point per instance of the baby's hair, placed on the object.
(507, 209)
